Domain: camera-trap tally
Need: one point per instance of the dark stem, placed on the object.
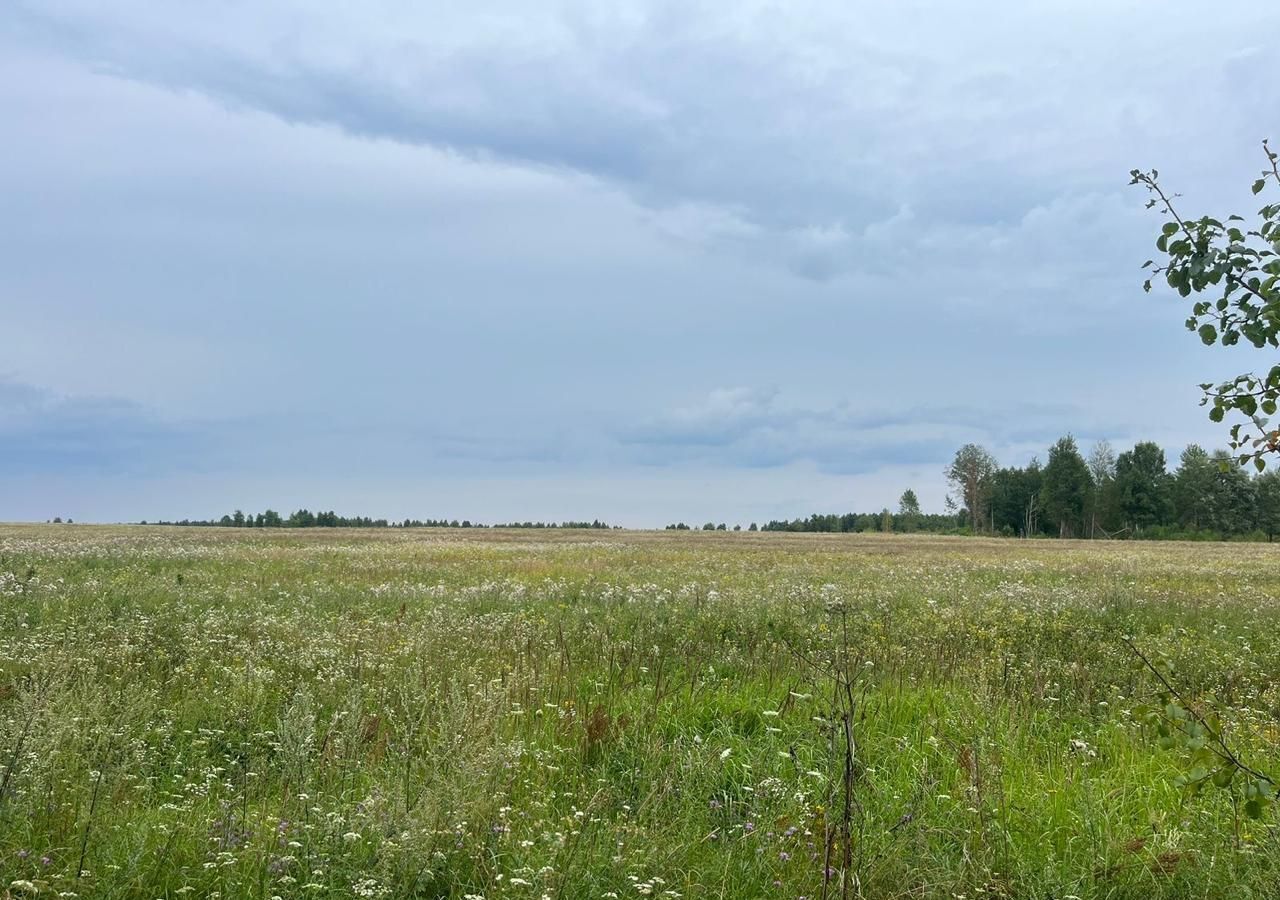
(84, 840)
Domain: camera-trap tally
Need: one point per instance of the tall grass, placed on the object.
(452, 714)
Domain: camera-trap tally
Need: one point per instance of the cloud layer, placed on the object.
(348, 246)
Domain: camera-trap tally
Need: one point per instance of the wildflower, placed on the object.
(1082, 747)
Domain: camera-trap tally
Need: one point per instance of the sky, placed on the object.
(640, 261)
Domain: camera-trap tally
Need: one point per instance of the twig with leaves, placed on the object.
(1181, 721)
(1243, 265)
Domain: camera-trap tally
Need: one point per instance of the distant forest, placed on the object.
(1131, 495)
(304, 518)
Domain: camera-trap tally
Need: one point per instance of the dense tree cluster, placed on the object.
(1103, 495)
(1132, 494)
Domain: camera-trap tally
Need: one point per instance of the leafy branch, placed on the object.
(1212, 760)
(1241, 265)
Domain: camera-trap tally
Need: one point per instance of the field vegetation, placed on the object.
(598, 714)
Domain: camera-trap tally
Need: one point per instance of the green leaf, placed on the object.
(1222, 777)
(1253, 808)
(1208, 334)
(1172, 227)
(1259, 185)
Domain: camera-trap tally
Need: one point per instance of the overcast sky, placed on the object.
(637, 261)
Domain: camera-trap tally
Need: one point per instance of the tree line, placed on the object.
(1107, 495)
(909, 518)
(304, 518)
(1133, 495)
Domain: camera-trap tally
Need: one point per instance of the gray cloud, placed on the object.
(43, 432)
(832, 138)
(756, 428)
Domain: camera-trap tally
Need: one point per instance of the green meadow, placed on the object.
(564, 714)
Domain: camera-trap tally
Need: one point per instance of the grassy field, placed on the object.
(474, 714)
